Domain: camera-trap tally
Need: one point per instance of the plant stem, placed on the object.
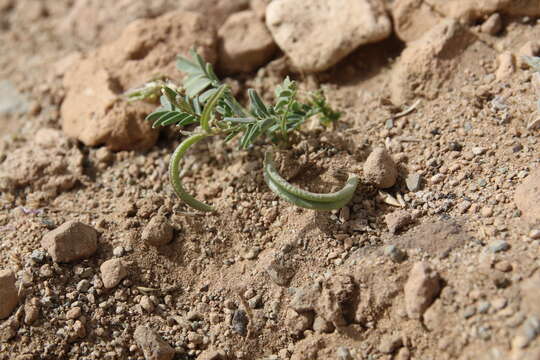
(174, 172)
(307, 199)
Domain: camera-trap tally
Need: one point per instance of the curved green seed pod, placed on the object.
(345, 193)
(307, 204)
(174, 173)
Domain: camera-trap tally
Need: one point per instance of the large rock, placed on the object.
(94, 111)
(527, 197)
(317, 34)
(428, 62)
(245, 43)
(421, 289)
(8, 293)
(71, 241)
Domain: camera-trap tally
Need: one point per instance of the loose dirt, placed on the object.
(442, 262)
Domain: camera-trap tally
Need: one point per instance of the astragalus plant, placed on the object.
(209, 105)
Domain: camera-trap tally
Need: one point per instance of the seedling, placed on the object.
(205, 101)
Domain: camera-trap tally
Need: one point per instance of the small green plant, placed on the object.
(205, 101)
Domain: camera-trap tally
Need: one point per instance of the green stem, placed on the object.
(306, 199)
(345, 193)
(174, 173)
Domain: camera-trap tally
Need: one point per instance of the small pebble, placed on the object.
(396, 254)
(413, 182)
(118, 251)
(343, 353)
(534, 234)
(83, 285)
(498, 246)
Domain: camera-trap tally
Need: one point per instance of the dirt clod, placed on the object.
(380, 169)
(158, 231)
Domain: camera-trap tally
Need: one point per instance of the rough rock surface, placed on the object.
(436, 238)
(421, 289)
(217, 10)
(380, 169)
(52, 169)
(153, 347)
(94, 111)
(158, 231)
(319, 33)
(71, 241)
(527, 197)
(413, 18)
(426, 62)
(112, 272)
(530, 292)
(8, 293)
(245, 43)
(89, 21)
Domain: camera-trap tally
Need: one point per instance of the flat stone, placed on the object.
(317, 34)
(70, 242)
(413, 182)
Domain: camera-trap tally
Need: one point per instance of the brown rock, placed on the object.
(317, 34)
(493, 25)
(527, 197)
(427, 63)
(320, 325)
(506, 65)
(397, 220)
(297, 323)
(277, 266)
(413, 18)
(8, 293)
(245, 43)
(153, 347)
(112, 272)
(31, 312)
(335, 295)
(380, 169)
(71, 241)
(94, 111)
(158, 231)
(422, 287)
